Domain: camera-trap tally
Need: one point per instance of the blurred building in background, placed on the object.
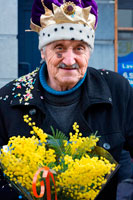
(125, 39)
(113, 45)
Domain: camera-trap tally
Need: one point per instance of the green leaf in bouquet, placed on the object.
(56, 141)
(58, 134)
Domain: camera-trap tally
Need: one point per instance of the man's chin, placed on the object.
(68, 82)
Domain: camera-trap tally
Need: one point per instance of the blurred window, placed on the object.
(125, 39)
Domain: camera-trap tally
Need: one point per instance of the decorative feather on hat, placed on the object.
(64, 20)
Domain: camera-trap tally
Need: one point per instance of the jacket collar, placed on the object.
(95, 90)
(28, 91)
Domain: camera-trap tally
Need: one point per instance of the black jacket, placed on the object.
(106, 105)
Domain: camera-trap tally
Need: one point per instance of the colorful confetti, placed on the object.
(26, 83)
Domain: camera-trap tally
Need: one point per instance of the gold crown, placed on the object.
(66, 13)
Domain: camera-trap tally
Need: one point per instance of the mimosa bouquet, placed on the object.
(73, 168)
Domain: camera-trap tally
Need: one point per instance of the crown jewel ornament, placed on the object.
(69, 8)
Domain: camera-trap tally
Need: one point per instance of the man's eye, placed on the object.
(80, 48)
(59, 48)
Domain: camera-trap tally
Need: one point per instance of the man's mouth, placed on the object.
(70, 67)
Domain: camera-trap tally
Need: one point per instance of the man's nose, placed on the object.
(69, 57)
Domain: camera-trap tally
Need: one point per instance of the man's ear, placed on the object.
(42, 54)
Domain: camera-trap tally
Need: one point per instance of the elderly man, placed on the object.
(64, 89)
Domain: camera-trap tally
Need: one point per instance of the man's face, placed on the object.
(67, 63)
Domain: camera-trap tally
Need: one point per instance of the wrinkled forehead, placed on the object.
(67, 43)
